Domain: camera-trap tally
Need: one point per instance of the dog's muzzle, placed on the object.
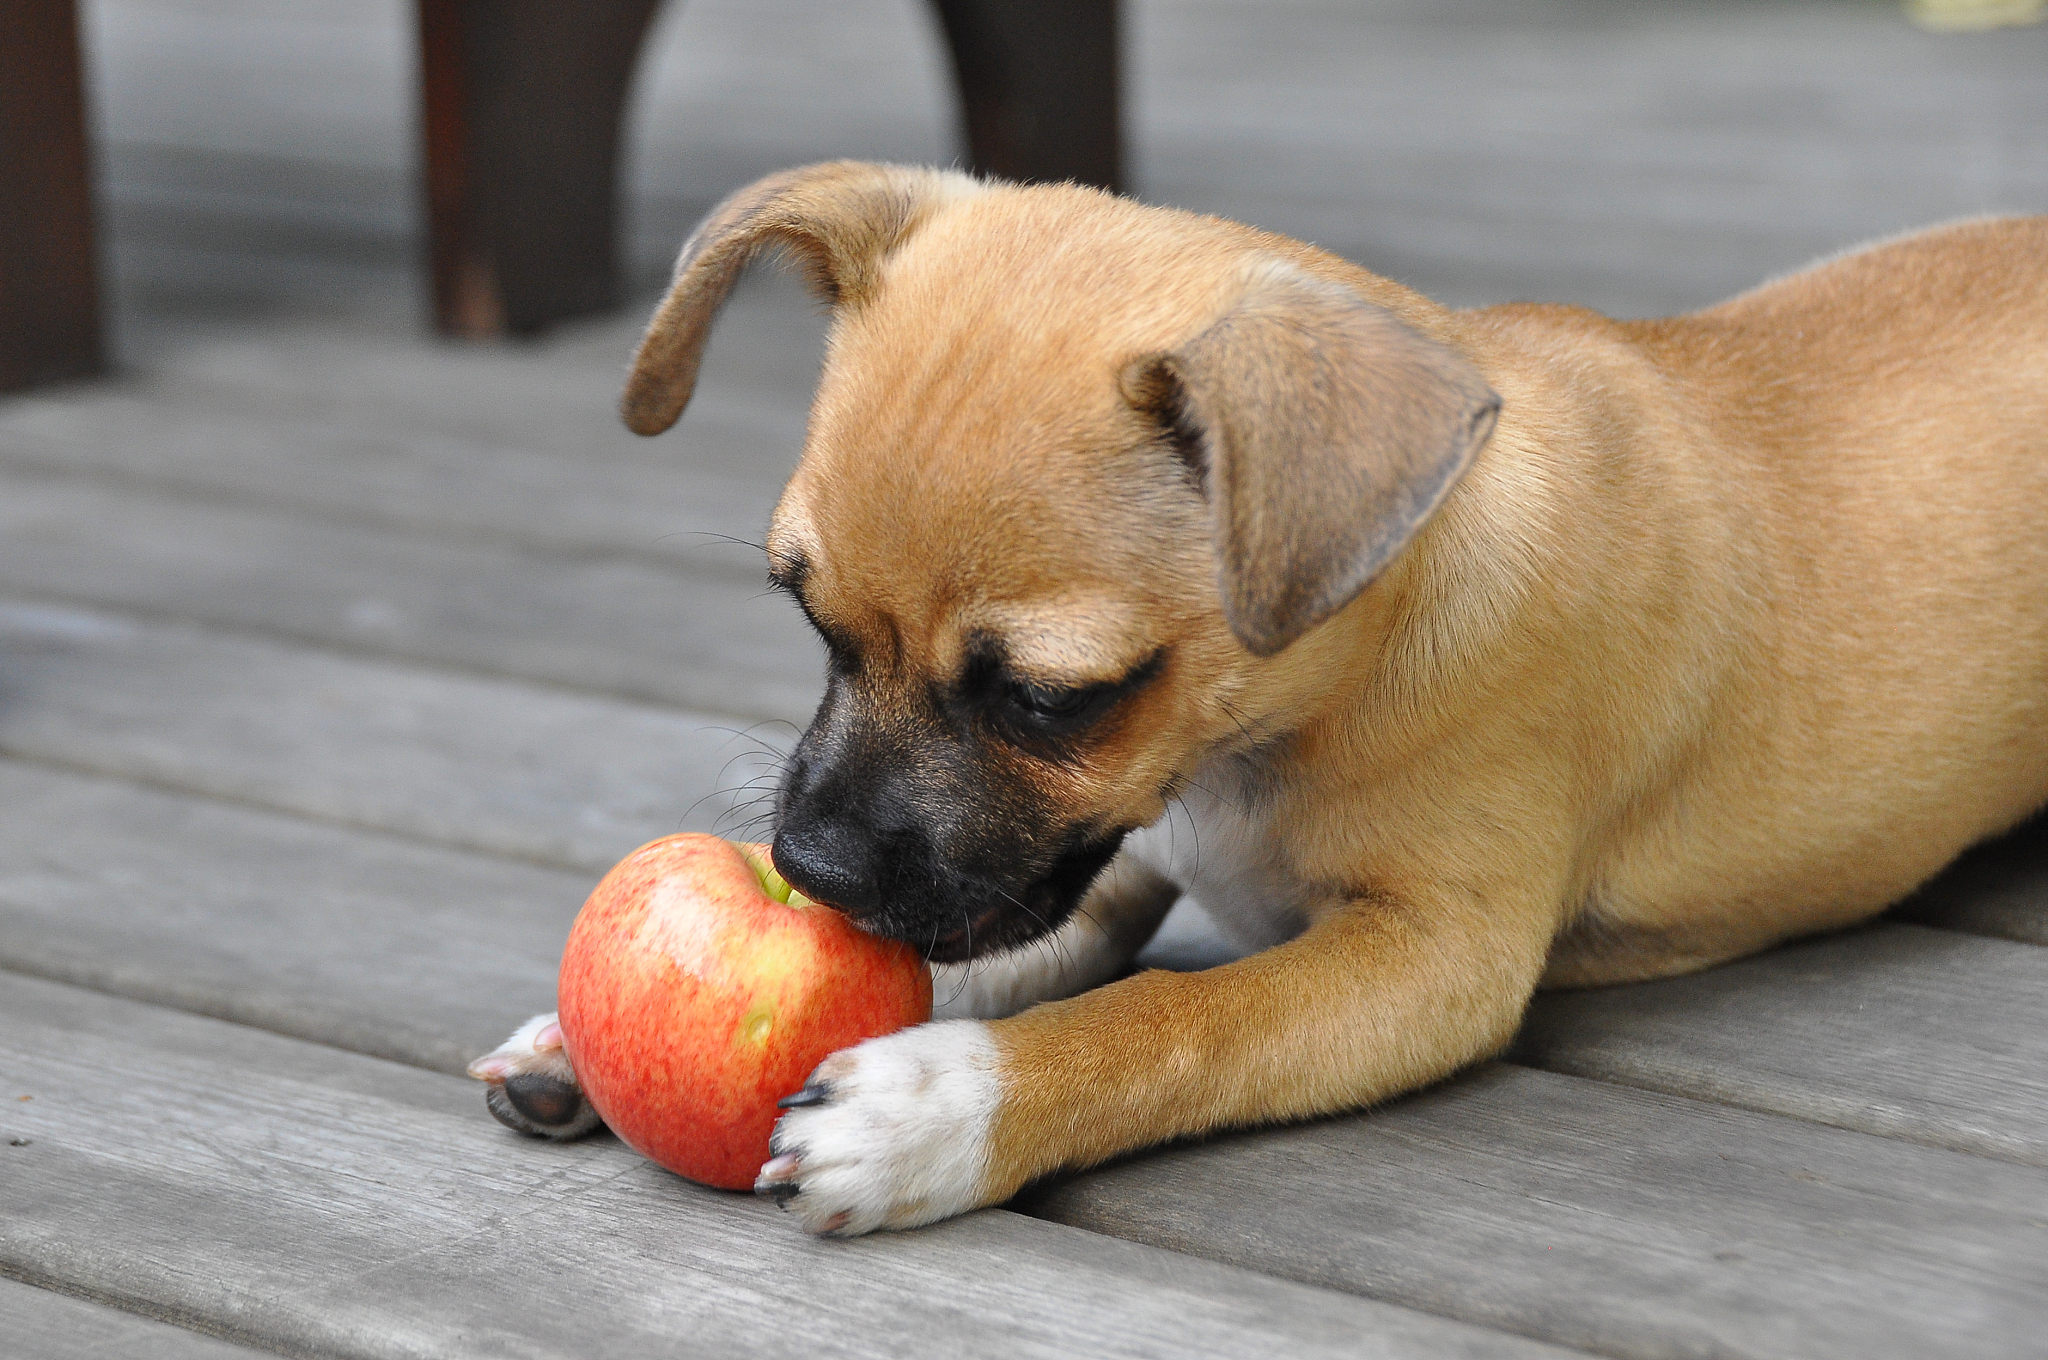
(894, 886)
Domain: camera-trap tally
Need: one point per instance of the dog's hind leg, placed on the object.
(1095, 945)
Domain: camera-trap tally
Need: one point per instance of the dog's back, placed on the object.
(1877, 427)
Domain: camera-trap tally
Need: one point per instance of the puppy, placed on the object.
(1484, 650)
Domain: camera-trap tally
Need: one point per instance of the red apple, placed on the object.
(698, 988)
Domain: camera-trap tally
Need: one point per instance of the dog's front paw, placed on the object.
(532, 1087)
(891, 1133)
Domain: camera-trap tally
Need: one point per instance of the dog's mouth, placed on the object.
(1031, 913)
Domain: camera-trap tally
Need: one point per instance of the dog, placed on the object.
(1484, 650)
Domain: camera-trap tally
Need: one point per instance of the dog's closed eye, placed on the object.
(1047, 703)
(1039, 713)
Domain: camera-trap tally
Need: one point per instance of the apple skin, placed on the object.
(698, 988)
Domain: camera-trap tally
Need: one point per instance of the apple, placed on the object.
(698, 988)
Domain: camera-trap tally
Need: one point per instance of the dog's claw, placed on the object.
(777, 1180)
(814, 1093)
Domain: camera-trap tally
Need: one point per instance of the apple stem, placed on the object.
(772, 883)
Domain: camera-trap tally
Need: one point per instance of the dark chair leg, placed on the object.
(523, 101)
(49, 294)
(1039, 87)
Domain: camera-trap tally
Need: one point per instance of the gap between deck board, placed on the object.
(333, 1218)
(40, 1324)
(572, 482)
(491, 764)
(401, 950)
(242, 709)
(1625, 1222)
(612, 625)
(683, 519)
(1895, 1030)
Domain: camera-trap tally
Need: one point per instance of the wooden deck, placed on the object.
(335, 663)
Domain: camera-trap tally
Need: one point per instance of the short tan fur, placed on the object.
(1619, 649)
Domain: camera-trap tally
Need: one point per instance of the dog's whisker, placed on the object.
(1235, 717)
(736, 803)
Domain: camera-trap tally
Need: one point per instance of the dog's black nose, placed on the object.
(830, 862)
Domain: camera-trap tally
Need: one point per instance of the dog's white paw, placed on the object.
(532, 1087)
(891, 1133)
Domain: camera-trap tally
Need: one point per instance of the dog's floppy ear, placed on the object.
(839, 219)
(1323, 431)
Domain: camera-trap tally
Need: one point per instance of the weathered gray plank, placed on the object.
(562, 778)
(651, 499)
(82, 1015)
(391, 429)
(717, 640)
(1896, 1030)
(389, 947)
(375, 374)
(384, 946)
(1629, 157)
(2000, 888)
(1626, 1222)
(190, 1167)
(40, 1325)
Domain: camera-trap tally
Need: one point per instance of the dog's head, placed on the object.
(1084, 480)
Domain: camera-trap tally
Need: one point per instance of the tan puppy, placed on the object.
(1484, 650)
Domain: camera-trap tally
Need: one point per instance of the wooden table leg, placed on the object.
(49, 293)
(1039, 87)
(523, 101)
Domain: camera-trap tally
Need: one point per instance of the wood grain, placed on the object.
(1626, 1222)
(384, 946)
(1623, 156)
(667, 501)
(544, 775)
(368, 942)
(283, 448)
(614, 623)
(41, 1325)
(192, 1168)
(1896, 1030)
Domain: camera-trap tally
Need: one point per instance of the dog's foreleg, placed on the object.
(1116, 919)
(1378, 997)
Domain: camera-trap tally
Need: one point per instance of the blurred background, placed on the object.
(1634, 156)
